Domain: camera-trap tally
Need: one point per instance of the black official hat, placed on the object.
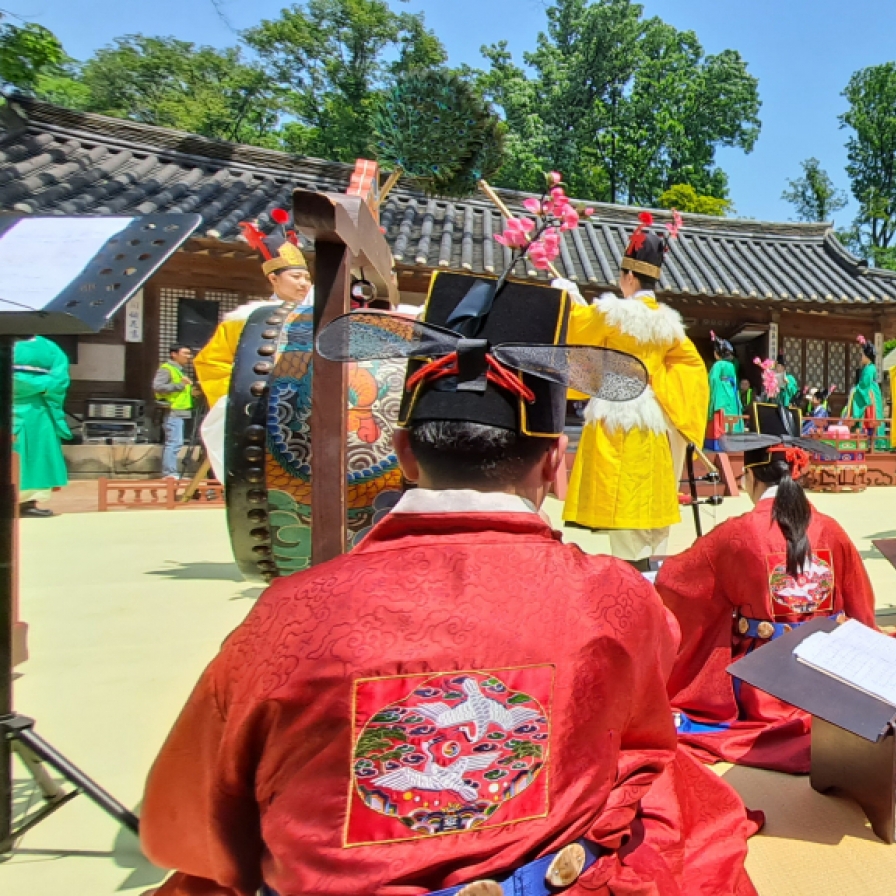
(647, 249)
(774, 426)
(486, 355)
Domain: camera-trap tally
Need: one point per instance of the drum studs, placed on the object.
(269, 334)
(266, 349)
(253, 453)
(273, 321)
(261, 534)
(263, 367)
(263, 550)
(255, 433)
(258, 388)
(254, 475)
(257, 516)
(257, 496)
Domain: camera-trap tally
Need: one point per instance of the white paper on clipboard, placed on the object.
(39, 257)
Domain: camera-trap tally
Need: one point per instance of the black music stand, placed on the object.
(59, 275)
(853, 744)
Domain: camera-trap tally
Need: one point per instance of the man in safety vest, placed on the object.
(174, 394)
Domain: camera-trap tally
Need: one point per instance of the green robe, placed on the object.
(867, 395)
(40, 381)
(789, 391)
(723, 393)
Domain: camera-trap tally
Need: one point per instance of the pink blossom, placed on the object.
(570, 218)
(558, 194)
(555, 177)
(588, 212)
(516, 234)
(533, 206)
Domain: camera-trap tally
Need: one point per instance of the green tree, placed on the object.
(26, 51)
(814, 195)
(625, 106)
(333, 59)
(174, 83)
(686, 199)
(871, 151)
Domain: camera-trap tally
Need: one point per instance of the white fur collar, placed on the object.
(653, 326)
(243, 311)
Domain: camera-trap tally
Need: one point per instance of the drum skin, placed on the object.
(268, 444)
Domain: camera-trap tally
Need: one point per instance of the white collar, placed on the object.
(461, 500)
(769, 493)
(644, 294)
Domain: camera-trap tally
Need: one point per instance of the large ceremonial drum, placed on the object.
(268, 443)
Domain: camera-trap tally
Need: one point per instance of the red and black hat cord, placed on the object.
(497, 374)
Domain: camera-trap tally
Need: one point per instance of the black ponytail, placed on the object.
(791, 511)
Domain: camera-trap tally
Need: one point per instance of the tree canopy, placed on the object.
(814, 196)
(871, 150)
(627, 107)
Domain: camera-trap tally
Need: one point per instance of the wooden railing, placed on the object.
(157, 494)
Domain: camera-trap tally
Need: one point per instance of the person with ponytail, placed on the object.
(746, 583)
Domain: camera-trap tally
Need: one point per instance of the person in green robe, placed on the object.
(866, 401)
(723, 390)
(40, 381)
(788, 388)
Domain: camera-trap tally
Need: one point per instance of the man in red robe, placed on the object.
(462, 701)
(732, 592)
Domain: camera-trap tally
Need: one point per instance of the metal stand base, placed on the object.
(17, 736)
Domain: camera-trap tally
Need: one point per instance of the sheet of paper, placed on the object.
(39, 257)
(855, 655)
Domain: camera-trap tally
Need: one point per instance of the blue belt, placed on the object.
(765, 629)
(526, 881)
(530, 879)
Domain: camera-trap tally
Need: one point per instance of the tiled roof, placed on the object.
(54, 161)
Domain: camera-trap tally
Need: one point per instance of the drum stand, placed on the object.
(17, 733)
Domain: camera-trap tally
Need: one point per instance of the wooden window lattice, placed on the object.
(793, 354)
(815, 364)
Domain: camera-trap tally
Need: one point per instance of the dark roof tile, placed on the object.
(54, 161)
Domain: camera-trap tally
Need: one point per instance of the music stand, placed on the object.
(59, 275)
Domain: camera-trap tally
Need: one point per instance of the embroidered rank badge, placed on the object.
(810, 592)
(448, 753)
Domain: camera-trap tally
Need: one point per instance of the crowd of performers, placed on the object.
(465, 704)
(735, 399)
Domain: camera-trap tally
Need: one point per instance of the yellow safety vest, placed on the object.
(177, 401)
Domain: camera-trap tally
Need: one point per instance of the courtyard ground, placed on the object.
(126, 608)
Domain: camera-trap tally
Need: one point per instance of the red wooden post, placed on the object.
(346, 236)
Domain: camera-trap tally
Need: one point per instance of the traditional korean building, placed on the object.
(768, 287)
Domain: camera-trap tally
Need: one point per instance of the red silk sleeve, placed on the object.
(647, 743)
(199, 812)
(856, 591)
(691, 588)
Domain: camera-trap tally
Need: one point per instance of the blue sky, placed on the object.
(802, 51)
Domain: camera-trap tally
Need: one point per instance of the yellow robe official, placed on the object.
(623, 476)
(214, 366)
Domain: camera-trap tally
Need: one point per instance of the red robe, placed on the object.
(317, 753)
(737, 570)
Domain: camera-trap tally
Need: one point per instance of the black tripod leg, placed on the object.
(37, 745)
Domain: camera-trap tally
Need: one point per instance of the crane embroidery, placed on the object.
(448, 752)
(437, 777)
(476, 713)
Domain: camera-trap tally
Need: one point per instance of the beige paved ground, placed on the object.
(125, 609)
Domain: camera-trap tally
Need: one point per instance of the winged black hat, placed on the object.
(514, 374)
(777, 429)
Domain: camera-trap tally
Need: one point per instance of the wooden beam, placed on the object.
(336, 218)
(328, 410)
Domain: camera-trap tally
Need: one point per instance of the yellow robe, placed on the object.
(214, 364)
(623, 476)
